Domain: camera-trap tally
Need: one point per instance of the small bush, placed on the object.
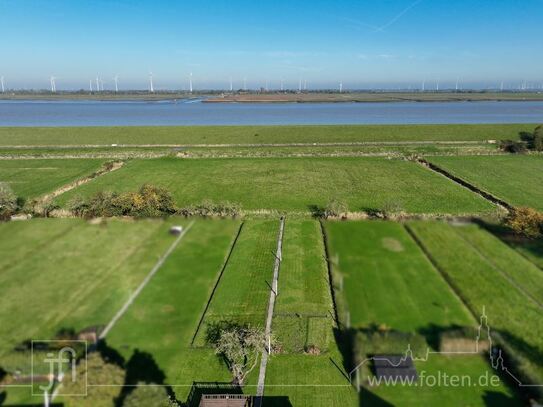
(144, 395)
(8, 201)
(526, 222)
(149, 201)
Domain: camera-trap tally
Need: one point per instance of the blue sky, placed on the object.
(363, 43)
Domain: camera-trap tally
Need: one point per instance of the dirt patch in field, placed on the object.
(392, 244)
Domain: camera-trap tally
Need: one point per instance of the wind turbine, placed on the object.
(423, 85)
(151, 88)
(190, 82)
(116, 79)
(501, 86)
(456, 86)
(305, 84)
(90, 85)
(53, 84)
(2, 82)
(231, 85)
(97, 84)
(437, 85)
(340, 87)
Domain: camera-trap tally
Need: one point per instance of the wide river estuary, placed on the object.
(183, 112)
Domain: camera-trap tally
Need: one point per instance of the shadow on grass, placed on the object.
(496, 399)
(534, 246)
(142, 368)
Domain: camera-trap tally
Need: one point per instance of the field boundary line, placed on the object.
(269, 319)
(454, 288)
(486, 195)
(229, 145)
(74, 184)
(503, 273)
(143, 284)
(324, 237)
(217, 282)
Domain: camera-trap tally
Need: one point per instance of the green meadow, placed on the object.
(187, 135)
(516, 179)
(32, 178)
(295, 184)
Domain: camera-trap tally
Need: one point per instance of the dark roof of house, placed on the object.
(394, 367)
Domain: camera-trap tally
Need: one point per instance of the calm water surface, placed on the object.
(137, 113)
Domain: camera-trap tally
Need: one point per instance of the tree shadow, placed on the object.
(368, 399)
(141, 368)
(3, 397)
(496, 399)
(506, 235)
(109, 354)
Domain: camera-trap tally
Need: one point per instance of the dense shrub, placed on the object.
(512, 146)
(8, 201)
(526, 222)
(149, 201)
(537, 140)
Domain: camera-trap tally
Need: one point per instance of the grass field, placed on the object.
(70, 273)
(165, 316)
(303, 311)
(242, 293)
(32, 178)
(373, 258)
(382, 278)
(296, 184)
(187, 135)
(505, 260)
(302, 320)
(481, 282)
(517, 179)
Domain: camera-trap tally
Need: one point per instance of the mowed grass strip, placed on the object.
(165, 316)
(388, 280)
(295, 184)
(243, 292)
(308, 380)
(32, 178)
(303, 314)
(524, 274)
(303, 280)
(516, 179)
(182, 135)
(74, 275)
(510, 312)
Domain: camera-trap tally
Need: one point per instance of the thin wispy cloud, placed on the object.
(360, 24)
(400, 15)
